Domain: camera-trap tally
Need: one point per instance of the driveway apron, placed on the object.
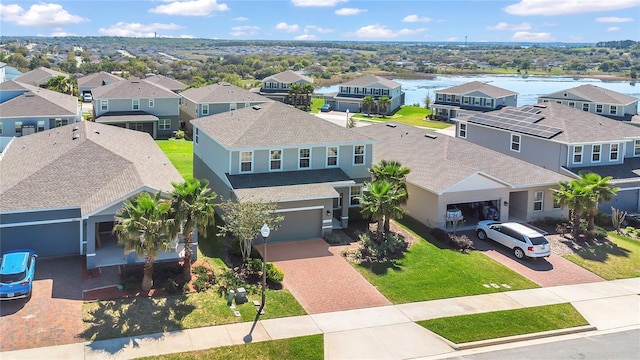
(321, 279)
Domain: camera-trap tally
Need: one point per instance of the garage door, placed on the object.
(46, 240)
(352, 107)
(298, 225)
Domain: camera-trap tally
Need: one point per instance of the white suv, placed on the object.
(523, 240)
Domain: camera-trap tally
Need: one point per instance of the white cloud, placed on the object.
(511, 27)
(349, 11)
(189, 7)
(613, 19)
(531, 36)
(240, 18)
(42, 14)
(454, 38)
(613, 29)
(317, 3)
(555, 7)
(61, 34)
(287, 28)
(316, 28)
(245, 30)
(416, 18)
(137, 29)
(383, 32)
(306, 37)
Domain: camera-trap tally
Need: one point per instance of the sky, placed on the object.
(536, 21)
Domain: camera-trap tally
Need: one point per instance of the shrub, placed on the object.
(601, 233)
(393, 246)
(333, 239)
(462, 242)
(179, 134)
(230, 280)
(254, 265)
(174, 287)
(274, 274)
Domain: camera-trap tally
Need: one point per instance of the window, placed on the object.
(613, 110)
(440, 97)
(558, 102)
(104, 105)
(448, 98)
(585, 107)
(304, 158)
(515, 142)
(205, 109)
(465, 100)
(476, 101)
(18, 127)
(358, 155)
(577, 154)
(152, 102)
(136, 126)
(599, 108)
(572, 104)
(246, 161)
(332, 156)
(275, 160)
(613, 152)
(595, 153)
(354, 198)
(197, 133)
(40, 125)
(488, 102)
(636, 146)
(164, 124)
(135, 104)
(556, 204)
(538, 198)
(233, 106)
(0, 128)
(61, 122)
(462, 130)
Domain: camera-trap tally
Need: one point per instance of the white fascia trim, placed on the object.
(327, 221)
(38, 210)
(300, 209)
(42, 222)
(506, 184)
(327, 227)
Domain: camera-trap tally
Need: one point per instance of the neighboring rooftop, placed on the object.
(477, 86)
(372, 81)
(169, 83)
(222, 93)
(132, 88)
(38, 76)
(98, 79)
(594, 94)
(288, 77)
(37, 102)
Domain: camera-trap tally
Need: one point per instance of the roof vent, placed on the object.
(392, 125)
(540, 106)
(76, 128)
(29, 94)
(76, 136)
(97, 132)
(256, 107)
(431, 136)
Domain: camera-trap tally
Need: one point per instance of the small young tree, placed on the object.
(617, 218)
(427, 101)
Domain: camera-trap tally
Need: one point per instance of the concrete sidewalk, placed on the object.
(387, 332)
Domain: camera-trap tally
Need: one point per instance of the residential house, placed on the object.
(276, 87)
(38, 77)
(61, 189)
(471, 97)
(138, 105)
(452, 178)
(351, 93)
(596, 100)
(92, 81)
(27, 109)
(565, 140)
(312, 168)
(215, 99)
(166, 82)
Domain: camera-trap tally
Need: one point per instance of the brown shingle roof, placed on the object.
(98, 79)
(595, 94)
(132, 88)
(372, 80)
(288, 77)
(168, 83)
(39, 102)
(464, 89)
(38, 76)
(222, 93)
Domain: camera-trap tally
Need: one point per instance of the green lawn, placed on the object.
(316, 103)
(180, 153)
(617, 259)
(410, 115)
(428, 272)
(493, 325)
(299, 348)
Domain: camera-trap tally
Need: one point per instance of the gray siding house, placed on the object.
(595, 100)
(471, 97)
(312, 168)
(60, 190)
(276, 87)
(351, 93)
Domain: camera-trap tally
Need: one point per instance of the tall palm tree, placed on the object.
(574, 196)
(192, 208)
(294, 92)
(395, 173)
(599, 190)
(367, 103)
(142, 226)
(308, 90)
(384, 103)
(61, 84)
(380, 202)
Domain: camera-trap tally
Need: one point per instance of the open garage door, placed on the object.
(475, 211)
(298, 225)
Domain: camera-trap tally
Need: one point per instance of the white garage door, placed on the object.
(298, 225)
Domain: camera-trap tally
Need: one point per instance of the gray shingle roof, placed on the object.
(594, 94)
(464, 89)
(437, 164)
(372, 80)
(288, 77)
(38, 102)
(133, 88)
(98, 79)
(38, 76)
(274, 124)
(168, 83)
(11, 85)
(222, 93)
(105, 163)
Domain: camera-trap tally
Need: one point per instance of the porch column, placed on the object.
(155, 127)
(344, 210)
(91, 244)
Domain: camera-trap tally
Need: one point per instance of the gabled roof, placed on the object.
(438, 163)
(171, 84)
(37, 102)
(11, 85)
(288, 77)
(467, 88)
(274, 124)
(38, 76)
(595, 94)
(372, 81)
(222, 93)
(133, 88)
(98, 79)
(84, 165)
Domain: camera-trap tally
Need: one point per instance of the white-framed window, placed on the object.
(332, 156)
(636, 146)
(613, 110)
(0, 128)
(152, 102)
(558, 102)
(538, 201)
(136, 126)
(304, 158)
(440, 97)
(448, 98)
(40, 125)
(515, 142)
(354, 195)
(233, 106)
(596, 150)
(18, 127)
(465, 100)
(61, 122)
(104, 105)
(613, 152)
(246, 161)
(275, 160)
(556, 204)
(135, 104)
(545, 101)
(476, 101)
(577, 154)
(358, 155)
(197, 135)
(599, 108)
(205, 109)
(488, 102)
(572, 104)
(462, 131)
(585, 107)
(164, 124)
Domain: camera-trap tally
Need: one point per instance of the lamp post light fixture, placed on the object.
(265, 231)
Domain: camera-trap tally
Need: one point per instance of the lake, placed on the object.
(528, 88)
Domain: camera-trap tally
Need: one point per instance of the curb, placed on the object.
(516, 338)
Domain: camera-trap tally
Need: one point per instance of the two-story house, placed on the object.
(351, 93)
(472, 96)
(595, 99)
(312, 168)
(139, 105)
(276, 87)
(565, 140)
(27, 109)
(39, 77)
(92, 81)
(215, 99)
(166, 82)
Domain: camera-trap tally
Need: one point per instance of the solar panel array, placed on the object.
(523, 120)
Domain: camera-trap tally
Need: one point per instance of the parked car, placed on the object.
(17, 269)
(523, 240)
(87, 97)
(325, 108)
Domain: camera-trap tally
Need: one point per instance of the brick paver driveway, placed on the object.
(53, 315)
(320, 278)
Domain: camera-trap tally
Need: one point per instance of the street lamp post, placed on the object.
(265, 232)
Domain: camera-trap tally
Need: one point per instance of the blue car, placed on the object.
(17, 269)
(325, 108)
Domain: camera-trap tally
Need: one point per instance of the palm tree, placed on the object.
(367, 103)
(599, 190)
(380, 202)
(142, 226)
(61, 84)
(384, 102)
(294, 91)
(572, 195)
(192, 208)
(308, 90)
